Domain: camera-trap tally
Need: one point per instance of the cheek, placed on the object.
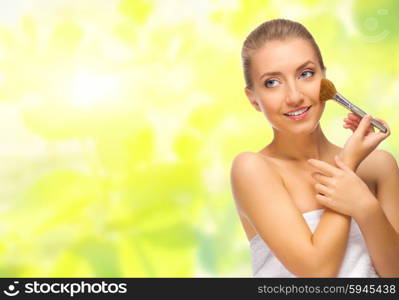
(271, 109)
(312, 91)
(322, 106)
(270, 103)
(272, 98)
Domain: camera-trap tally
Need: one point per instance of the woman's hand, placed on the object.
(340, 189)
(363, 140)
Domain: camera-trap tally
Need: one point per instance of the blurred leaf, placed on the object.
(102, 257)
(171, 237)
(66, 37)
(137, 10)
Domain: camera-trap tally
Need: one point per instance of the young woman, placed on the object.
(336, 215)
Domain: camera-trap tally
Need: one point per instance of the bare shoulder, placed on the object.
(378, 164)
(382, 156)
(252, 174)
(251, 164)
(249, 160)
(248, 171)
(386, 170)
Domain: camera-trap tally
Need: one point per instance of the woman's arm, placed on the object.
(333, 219)
(341, 224)
(343, 191)
(260, 195)
(380, 222)
(331, 244)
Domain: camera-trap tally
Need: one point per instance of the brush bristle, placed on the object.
(327, 90)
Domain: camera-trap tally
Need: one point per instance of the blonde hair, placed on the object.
(276, 29)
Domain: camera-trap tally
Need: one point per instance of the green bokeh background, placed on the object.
(120, 120)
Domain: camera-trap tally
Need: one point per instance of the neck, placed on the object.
(300, 147)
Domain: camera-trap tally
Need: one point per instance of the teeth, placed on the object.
(298, 112)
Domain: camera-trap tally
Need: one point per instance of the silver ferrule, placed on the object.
(357, 111)
(346, 103)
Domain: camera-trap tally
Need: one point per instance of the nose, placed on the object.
(294, 96)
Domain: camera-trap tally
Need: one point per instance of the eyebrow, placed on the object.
(279, 73)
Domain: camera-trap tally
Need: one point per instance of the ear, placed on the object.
(252, 98)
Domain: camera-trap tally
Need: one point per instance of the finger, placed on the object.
(372, 129)
(350, 127)
(357, 121)
(324, 167)
(322, 189)
(353, 117)
(348, 121)
(385, 124)
(363, 125)
(321, 198)
(354, 127)
(353, 120)
(379, 135)
(326, 201)
(381, 121)
(321, 178)
(355, 124)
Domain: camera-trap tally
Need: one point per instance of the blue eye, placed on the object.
(271, 83)
(306, 74)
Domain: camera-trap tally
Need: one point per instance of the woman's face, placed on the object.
(286, 76)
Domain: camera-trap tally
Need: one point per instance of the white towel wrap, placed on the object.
(357, 261)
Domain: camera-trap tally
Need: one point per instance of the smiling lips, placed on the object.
(298, 114)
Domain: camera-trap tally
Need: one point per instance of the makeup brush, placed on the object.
(328, 91)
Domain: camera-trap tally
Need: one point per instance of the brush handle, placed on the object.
(357, 111)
